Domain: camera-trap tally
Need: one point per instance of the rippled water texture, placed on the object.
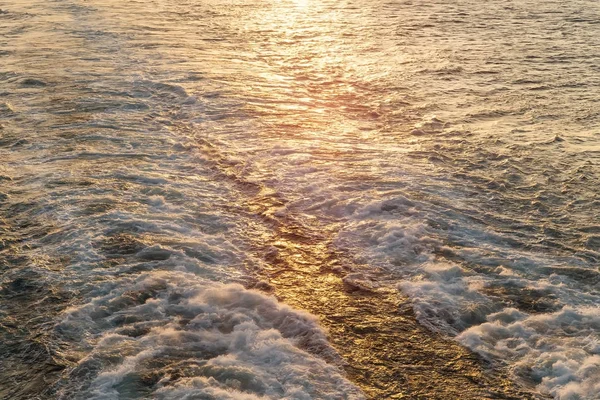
(180, 179)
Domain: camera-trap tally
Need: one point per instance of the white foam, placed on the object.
(551, 342)
(559, 352)
(190, 338)
(446, 297)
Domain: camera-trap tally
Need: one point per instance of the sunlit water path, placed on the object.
(299, 199)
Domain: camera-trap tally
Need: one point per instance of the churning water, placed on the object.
(175, 174)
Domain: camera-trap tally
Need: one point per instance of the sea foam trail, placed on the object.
(559, 351)
(539, 315)
(172, 335)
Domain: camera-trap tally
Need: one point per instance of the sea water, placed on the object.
(450, 151)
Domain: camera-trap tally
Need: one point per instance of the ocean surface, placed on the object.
(236, 199)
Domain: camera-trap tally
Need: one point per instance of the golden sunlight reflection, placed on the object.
(301, 3)
(308, 90)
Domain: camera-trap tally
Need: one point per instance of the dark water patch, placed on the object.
(120, 245)
(102, 156)
(20, 143)
(585, 276)
(32, 82)
(28, 303)
(29, 379)
(533, 301)
(97, 207)
(204, 256)
(590, 229)
(593, 243)
(70, 183)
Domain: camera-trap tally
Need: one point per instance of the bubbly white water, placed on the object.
(450, 150)
(223, 341)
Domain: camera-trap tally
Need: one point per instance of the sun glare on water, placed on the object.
(301, 3)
